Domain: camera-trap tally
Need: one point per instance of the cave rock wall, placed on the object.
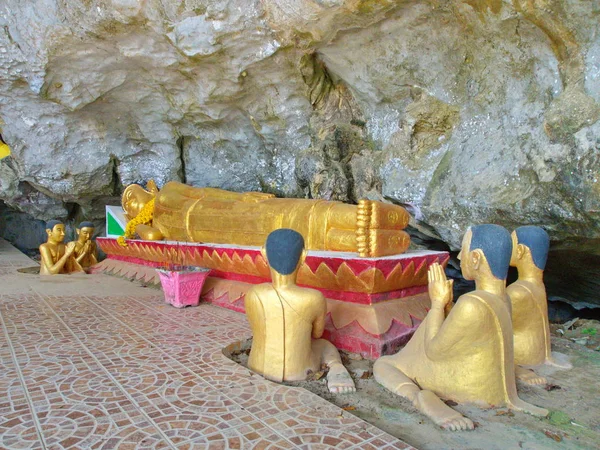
(464, 111)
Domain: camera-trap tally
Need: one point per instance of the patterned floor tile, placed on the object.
(132, 437)
(18, 431)
(384, 443)
(124, 370)
(189, 395)
(251, 435)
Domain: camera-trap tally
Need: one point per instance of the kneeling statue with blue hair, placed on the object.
(529, 304)
(466, 356)
(287, 321)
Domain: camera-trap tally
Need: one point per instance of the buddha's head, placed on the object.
(530, 247)
(284, 251)
(85, 231)
(134, 199)
(55, 230)
(486, 249)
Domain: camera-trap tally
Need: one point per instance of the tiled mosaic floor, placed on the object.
(98, 362)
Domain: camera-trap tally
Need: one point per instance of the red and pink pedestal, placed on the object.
(374, 304)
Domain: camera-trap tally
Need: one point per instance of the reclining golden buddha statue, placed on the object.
(179, 212)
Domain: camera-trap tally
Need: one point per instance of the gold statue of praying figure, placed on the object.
(56, 257)
(468, 355)
(184, 213)
(287, 321)
(86, 251)
(529, 304)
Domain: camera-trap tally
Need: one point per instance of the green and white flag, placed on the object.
(115, 221)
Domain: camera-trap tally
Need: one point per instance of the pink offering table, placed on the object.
(374, 304)
(183, 287)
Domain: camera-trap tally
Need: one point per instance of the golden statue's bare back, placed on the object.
(288, 321)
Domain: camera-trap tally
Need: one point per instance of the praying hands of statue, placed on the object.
(441, 294)
(85, 251)
(50, 267)
(440, 288)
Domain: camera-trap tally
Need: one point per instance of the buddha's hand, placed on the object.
(151, 187)
(440, 288)
(87, 247)
(70, 248)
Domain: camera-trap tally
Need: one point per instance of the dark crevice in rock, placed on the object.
(20, 229)
(573, 276)
(327, 170)
(317, 78)
(32, 189)
(10, 37)
(426, 241)
(116, 188)
(560, 311)
(329, 95)
(73, 211)
(27, 189)
(180, 145)
(348, 141)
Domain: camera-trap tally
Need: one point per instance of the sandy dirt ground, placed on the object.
(572, 396)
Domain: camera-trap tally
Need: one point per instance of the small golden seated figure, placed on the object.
(467, 356)
(287, 321)
(184, 213)
(56, 258)
(86, 251)
(529, 304)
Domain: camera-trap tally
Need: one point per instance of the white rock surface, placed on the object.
(464, 115)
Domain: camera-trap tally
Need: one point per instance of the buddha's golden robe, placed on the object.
(530, 322)
(471, 358)
(282, 327)
(185, 213)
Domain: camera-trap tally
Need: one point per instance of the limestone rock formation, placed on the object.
(465, 111)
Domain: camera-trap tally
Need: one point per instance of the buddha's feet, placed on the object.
(529, 376)
(339, 380)
(379, 229)
(440, 413)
